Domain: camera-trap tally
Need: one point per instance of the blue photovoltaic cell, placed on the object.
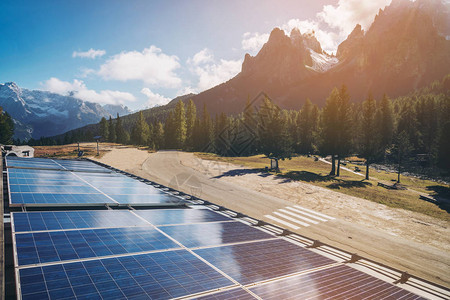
(41, 174)
(42, 247)
(57, 220)
(39, 198)
(52, 189)
(340, 282)
(144, 190)
(237, 293)
(152, 199)
(46, 181)
(180, 216)
(162, 275)
(211, 234)
(253, 262)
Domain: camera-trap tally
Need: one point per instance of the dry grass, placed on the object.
(69, 151)
(316, 172)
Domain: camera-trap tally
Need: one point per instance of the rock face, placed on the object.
(406, 47)
(40, 113)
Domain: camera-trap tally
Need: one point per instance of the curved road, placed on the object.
(166, 167)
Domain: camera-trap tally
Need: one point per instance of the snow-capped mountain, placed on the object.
(40, 113)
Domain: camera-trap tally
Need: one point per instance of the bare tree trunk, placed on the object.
(367, 169)
(338, 173)
(333, 165)
(399, 164)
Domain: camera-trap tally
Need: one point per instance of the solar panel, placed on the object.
(237, 293)
(210, 234)
(52, 189)
(152, 199)
(161, 275)
(257, 261)
(55, 199)
(180, 216)
(144, 190)
(40, 174)
(57, 220)
(43, 247)
(43, 181)
(340, 282)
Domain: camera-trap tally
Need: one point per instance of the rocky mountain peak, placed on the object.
(352, 43)
(310, 41)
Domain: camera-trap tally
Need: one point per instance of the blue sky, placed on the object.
(142, 53)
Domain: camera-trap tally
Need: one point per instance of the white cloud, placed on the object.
(151, 66)
(154, 99)
(328, 40)
(211, 73)
(85, 72)
(347, 13)
(331, 26)
(187, 90)
(254, 41)
(201, 57)
(91, 53)
(78, 89)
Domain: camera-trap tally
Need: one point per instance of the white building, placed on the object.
(19, 151)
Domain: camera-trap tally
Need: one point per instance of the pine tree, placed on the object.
(306, 128)
(274, 139)
(191, 115)
(180, 125)
(330, 128)
(141, 131)
(121, 135)
(169, 131)
(402, 149)
(386, 123)
(345, 126)
(158, 136)
(370, 141)
(6, 127)
(207, 132)
(104, 129)
(112, 131)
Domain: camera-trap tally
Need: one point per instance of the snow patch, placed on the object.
(322, 62)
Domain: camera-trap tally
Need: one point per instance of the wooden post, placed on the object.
(98, 152)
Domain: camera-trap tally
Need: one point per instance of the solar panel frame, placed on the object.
(22, 222)
(181, 216)
(214, 234)
(262, 260)
(67, 245)
(235, 293)
(179, 273)
(337, 282)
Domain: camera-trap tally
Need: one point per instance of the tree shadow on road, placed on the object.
(442, 194)
(239, 172)
(304, 176)
(349, 184)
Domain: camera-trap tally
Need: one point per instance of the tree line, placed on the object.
(412, 129)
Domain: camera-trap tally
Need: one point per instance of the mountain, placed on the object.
(113, 110)
(41, 113)
(406, 48)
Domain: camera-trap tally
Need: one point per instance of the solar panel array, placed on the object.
(41, 182)
(166, 253)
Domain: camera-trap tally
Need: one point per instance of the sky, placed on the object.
(145, 53)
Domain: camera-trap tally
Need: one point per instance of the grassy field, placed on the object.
(67, 151)
(307, 170)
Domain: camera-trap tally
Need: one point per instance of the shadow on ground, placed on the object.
(442, 194)
(241, 172)
(304, 176)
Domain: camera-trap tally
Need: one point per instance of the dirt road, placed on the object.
(402, 239)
